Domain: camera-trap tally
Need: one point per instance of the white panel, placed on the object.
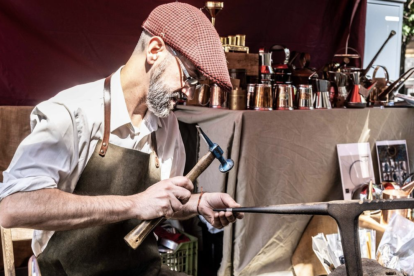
(382, 17)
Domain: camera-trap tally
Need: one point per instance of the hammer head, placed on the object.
(225, 164)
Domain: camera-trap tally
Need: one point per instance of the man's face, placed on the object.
(166, 82)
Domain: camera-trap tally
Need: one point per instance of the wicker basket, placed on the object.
(184, 259)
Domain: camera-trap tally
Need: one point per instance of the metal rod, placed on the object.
(294, 209)
(363, 73)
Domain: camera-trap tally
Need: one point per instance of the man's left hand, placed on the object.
(210, 201)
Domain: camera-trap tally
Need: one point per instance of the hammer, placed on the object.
(139, 233)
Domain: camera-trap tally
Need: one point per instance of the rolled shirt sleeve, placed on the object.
(47, 156)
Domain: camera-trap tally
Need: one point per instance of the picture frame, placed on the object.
(355, 163)
(393, 162)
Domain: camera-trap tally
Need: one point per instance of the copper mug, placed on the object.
(218, 97)
(386, 215)
(201, 96)
(263, 97)
(306, 97)
(284, 96)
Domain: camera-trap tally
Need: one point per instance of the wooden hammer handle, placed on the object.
(139, 233)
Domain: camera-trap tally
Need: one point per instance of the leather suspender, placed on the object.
(107, 115)
(107, 124)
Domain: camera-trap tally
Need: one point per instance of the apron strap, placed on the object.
(107, 114)
(154, 148)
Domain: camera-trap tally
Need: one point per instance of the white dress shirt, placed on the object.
(65, 132)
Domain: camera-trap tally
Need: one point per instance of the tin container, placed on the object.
(306, 98)
(263, 97)
(250, 102)
(237, 99)
(218, 97)
(284, 96)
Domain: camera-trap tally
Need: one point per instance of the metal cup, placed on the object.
(250, 103)
(284, 96)
(386, 215)
(306, 98)
(218, 97)
(263, 97)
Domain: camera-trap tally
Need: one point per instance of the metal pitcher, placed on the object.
(322, 94)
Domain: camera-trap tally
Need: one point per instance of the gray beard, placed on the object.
(159, 94)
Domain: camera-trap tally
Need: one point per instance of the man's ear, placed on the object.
(155, 47)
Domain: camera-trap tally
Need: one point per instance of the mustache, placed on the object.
(178, 95)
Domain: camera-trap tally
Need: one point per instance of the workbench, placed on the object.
(283, 157)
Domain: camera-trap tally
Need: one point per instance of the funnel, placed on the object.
(214, 8)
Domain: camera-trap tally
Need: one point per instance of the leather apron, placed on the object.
(101, 250)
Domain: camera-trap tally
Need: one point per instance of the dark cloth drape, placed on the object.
(47, 46)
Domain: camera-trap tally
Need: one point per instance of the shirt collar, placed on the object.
(119, 111)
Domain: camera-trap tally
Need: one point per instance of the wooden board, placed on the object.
(250, 62)
(20, 247)
(304, 260)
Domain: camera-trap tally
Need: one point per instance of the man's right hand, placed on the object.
(163, 199)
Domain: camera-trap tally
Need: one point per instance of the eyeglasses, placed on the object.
(190, 83)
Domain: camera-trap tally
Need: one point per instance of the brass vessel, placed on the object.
(214, 8)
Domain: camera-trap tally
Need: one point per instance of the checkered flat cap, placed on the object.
(187, 30)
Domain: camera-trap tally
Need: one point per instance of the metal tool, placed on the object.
(226, 164)
(395, 86)
(365, 71)
(345, 212)
(139, 233)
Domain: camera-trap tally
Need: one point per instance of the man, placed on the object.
(85, 176)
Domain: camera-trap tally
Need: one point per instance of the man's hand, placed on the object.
(210, 201)
(164, 198)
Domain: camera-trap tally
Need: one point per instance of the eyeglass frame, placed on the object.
(189, 81)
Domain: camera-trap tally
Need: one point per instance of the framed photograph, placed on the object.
(355, 164)
(393, 161)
